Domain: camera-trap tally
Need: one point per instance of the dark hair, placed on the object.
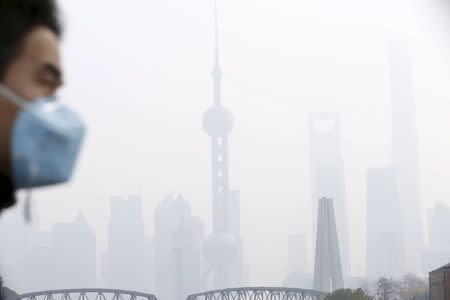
(17, 19)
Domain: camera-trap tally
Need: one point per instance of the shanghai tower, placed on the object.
(405, 156)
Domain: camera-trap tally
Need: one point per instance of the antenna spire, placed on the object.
(217, 72)
(216, 34)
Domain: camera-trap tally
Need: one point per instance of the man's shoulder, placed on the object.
(8, 294)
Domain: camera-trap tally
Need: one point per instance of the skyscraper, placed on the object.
(327, 176)
(15, 247)
(223, 247)
(385, 245)
(297, 253)
(128, 260)
(439, 226)
(73, 254)
(405, 152)
(298, 273)
(327, 266)
(65, 257)
(438, 252)
(178, 250)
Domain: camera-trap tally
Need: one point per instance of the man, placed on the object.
(39, 137)
(39, 140)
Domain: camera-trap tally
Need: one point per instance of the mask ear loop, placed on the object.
(13, 97)
(27, 207)
(33, 170)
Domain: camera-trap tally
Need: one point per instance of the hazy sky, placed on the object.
(140, 75)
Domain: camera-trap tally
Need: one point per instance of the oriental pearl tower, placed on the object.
(222, 247)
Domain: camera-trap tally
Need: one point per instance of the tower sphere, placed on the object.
(217, 121)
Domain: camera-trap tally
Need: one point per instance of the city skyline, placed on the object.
(271, 134)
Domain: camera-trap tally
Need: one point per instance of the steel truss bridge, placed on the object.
(243, 293)
(259, 293)
(86, 294)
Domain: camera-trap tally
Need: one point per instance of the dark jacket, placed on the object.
(8, 294)
(7, 197)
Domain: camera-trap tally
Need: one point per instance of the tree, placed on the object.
(386, 289)
(348, 294)
(366, 286)
(413, 287)
(412, 281)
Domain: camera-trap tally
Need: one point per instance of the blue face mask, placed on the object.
(45, 141)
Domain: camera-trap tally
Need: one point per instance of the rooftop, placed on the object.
(444, 267)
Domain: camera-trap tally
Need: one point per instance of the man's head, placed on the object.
(29, 59)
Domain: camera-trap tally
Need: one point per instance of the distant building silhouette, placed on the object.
(438, 252)
(65, 257)
(327, 266)
(385, 245)
(223, 246)
(36, 262)
(128, 261)
(298, 280)
(327, 175)
(297, 253)
(179, 258)
(439, 226)
(298, 274)
(73, 254)
(405, 157)
(15, 249)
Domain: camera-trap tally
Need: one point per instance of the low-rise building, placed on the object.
(440, 283)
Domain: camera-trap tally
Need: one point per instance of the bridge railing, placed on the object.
(243, 293)
(87, 294)
(259, 293)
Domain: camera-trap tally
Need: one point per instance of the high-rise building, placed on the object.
(36, 261)
(223, 247)
(15, 248)
(405, 153)
(73, 254)
(178, 250)
(65, 258)
(327, 176)
(298, 273)
(385, 245)
(439, 226)
(128, 260)
(438, 252)
(297, 253)
(327, 265)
